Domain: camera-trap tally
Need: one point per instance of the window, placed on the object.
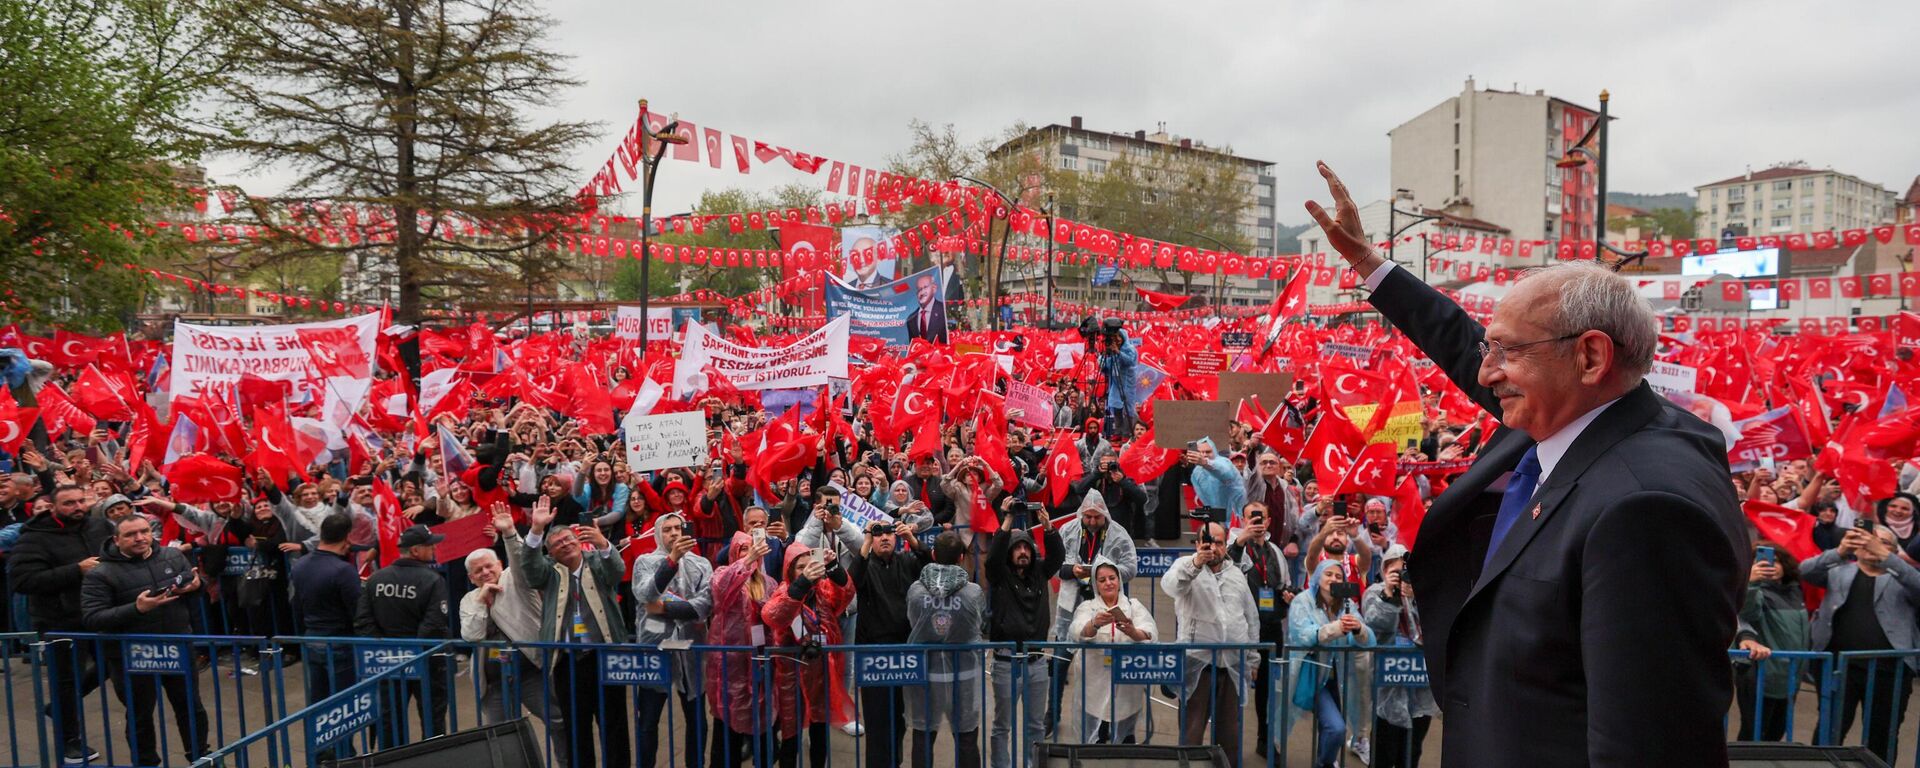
(1070, 162)
(1266, 233)
(1096, 166)
(1734, 209)
(1783, 186)
(1456, 158)
(1782, 222)
(1716, 194)
(1456, 132)
(1456, 185)
(1806, 219)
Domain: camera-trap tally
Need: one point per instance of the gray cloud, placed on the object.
(1702, 89)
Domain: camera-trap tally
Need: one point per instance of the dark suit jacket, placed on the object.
(1598, 633)
(935, 330)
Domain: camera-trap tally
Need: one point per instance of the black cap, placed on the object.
(419, 536)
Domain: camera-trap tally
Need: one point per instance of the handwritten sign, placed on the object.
(159, 658)
(889, 669)
(859, 512)
(648, 668)
(1400, 670)
(1035, 404)
(1178, 422)
(1269, 387)
(1148, 666)
(1360, 354)
(665, 441)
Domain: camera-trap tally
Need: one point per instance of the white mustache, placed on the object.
(1505, 392)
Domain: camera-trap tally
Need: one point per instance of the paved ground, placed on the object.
(238, 705)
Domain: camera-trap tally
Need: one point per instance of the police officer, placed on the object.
(408, 599)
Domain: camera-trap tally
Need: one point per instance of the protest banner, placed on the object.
(1205, 363)
(1178, 422)
(1035, 403)
(808, 362)
(1402, 427)
(665, 441)
(859, 512)
(463, 537)
(626, 322)
(880, 311)
(210, 359)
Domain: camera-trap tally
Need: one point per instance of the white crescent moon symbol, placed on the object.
(1858, 397)
(266, 438)
(233, 488)
(11, 434)
(1340, 383)
(66, 348)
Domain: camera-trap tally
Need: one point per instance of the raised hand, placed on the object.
(1344, 230)
(681, 546)
(542, 513)
(502, 518)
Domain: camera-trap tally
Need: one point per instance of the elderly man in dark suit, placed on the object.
(1580, 583)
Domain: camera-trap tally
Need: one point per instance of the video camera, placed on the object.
(1112, 330)
(1208, 515)
(1020, 510)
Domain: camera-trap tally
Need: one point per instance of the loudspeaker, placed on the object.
(1771, 755)
(1130, 756)
(506, 745)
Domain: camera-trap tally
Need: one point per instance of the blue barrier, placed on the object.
(1764, 720)
(330, 724)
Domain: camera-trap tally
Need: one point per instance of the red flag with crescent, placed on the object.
(203, 479)
(15, 424)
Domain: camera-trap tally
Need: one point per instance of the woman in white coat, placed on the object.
(1110, 617)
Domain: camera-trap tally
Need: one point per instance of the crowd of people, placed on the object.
(878, 542)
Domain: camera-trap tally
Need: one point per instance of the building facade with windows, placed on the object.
(1491, 155)
(1077, 149)
(1791, 199)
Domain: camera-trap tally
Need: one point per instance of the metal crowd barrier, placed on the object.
(584, 701)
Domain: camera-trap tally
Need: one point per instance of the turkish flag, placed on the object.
(1790, 289)
(1063, 467)
(1733, 290)
(590, 404)
(1143, 461)
(276, 447)
(1849, 287)
(1786, 526)
(1880, 285)
(1323, 276)
(1823, 240)
(202, 479)
(1854, 237)
(1332, 445)
(1162, 302)
(1745, 243)
(1408, 509)
(1820, 287)
(336, 352)
(1797, 242)
(72, 350)
(1284, 434)
(16, 423)
(1372, 471)
(1910, 283)
(1670, 289)
(388, 520)
(741, 153)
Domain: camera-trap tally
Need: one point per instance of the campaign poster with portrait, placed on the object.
(870, 260)
(896, 311)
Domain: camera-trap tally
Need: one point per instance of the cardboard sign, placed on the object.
(1270, 387)
(859, 512)
(649, 668)
(1206, 363)
(1148, 666)
(889, 669)
(1400, 670)
(665, 441)
(149, 658)
(337, 722)
(1178, 422)
(1035, 404)
(1360, 354)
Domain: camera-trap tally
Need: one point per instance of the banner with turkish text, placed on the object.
(211, 359)
(808, 362)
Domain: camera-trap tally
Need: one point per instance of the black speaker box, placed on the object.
(1130, 756)
(506, 745)
(1772, 755)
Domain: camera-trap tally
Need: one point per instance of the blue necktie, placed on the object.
(1519, 490)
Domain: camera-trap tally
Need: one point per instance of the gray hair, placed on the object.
(479, 556)
(1594, 298)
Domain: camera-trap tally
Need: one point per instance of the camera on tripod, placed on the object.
(1111, 330)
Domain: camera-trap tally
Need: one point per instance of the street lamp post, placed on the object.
(1219, 277)
(1578, 155)
(650, 167)
(993, 275)
(1393, 235)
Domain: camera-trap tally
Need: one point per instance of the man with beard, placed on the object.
(883, 573)
(670, 584)
(1337, 540)
(56, 550)
(1017, 576)
(1212, 604)
(136, 590)
(1089, 536)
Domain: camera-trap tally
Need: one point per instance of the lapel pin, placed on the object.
(1536, 511)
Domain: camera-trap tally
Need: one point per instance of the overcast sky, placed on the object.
(1701, 89)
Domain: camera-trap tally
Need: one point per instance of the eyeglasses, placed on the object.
(1495, 354)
